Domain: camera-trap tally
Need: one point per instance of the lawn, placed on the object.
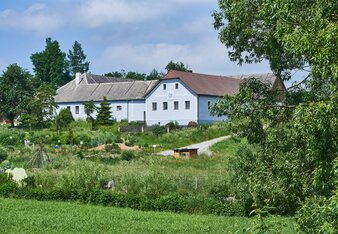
(25, 216)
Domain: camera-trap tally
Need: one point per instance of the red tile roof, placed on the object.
(203, 84)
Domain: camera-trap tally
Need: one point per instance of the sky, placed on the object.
(134, 35)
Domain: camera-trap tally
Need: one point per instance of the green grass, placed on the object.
(25, 216)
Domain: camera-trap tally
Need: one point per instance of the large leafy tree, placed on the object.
(177, 66)
(16, 91)
(294, 142)
(50, 65)
(77, 60)
(290, 34)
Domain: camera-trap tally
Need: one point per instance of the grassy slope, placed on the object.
(23, 216)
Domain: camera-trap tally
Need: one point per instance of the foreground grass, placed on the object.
(24, 216)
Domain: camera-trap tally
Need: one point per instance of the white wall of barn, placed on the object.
(204, 115)
(171, 91)
(131, 110)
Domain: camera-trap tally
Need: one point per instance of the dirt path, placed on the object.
(203, 147)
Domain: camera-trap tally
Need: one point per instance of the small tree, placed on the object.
(104, 113)
(64, 118)
(89, 108)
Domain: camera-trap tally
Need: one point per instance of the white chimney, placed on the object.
(77, 78)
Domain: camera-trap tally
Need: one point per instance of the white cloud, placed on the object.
(99, 12)
(205, 56)
(35, 18)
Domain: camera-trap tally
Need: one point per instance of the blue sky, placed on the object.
(134, 35)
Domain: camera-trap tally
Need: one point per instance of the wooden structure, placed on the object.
(185, 152)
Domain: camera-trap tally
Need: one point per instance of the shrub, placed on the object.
(3, 154)
(128, 155)
(192, 124)
(158, 130)
(64, 118)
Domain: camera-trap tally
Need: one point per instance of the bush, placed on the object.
(128, 155)
(64, 118)
(192, 124)
(158, 130)
(3, 154)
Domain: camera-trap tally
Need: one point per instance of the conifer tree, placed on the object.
(77, 60)
(104, 113)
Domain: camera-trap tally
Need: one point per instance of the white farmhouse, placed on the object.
(126, 97)
(179, 96)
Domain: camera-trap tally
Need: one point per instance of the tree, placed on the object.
(292, 143)
(117, 74)
(136, 76)
(154, 75)
(104, 113)
(16, 91)
(64, 118)
(42, 106)
(290, 34)
(177, 66)
(89, 108)
(50, 65)
(77, 60)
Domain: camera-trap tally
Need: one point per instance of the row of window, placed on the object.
(165, 86)
(176, 105)
(77, 109)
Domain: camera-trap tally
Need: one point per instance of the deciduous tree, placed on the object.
(50, 65)
(16, 91)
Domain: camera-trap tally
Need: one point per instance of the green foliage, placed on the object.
(77, 60)
(89, 108)
(64, 118)
(158, 130)
(41, 108)
(177, 66)
(31, 216)
(16, 91)
(136, 76)
(319, 215)
(289, 34)
(104, 114)
(128, 155)
(154, 75)
(3, 154)
(50, 65)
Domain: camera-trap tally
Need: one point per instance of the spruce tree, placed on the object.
(104, 113)
(77, 60)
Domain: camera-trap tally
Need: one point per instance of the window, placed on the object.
(175, 105)
(165, 105)
(164, 86)
(154, 106)
(77, 109)
(176, 86)
(68, 107)
(118, 108)
(187, 105)
(209, 104)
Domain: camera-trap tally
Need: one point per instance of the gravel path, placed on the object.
(203, 147)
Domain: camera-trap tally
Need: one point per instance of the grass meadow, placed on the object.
(25, 216)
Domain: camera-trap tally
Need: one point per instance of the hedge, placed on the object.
(172, 203)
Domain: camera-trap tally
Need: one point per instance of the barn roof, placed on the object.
(94, 87)
(213, 85)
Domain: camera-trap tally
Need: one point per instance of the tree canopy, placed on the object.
(50, 65)
(290, 34)
(104, 114)
(293, 143)
(16, 91)
(178, 66)
(77, 60)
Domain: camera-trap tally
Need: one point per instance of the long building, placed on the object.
(178, 96)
